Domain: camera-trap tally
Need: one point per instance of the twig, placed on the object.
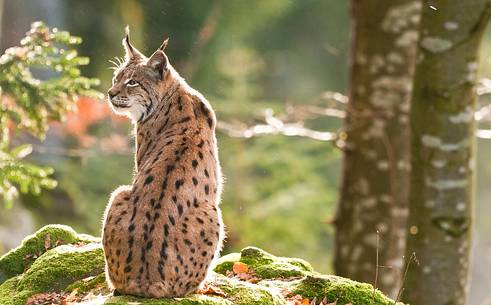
(376, 267)
(411, 259)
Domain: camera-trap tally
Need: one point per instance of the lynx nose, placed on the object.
(112, 93)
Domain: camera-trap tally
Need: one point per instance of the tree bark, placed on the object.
(443, 151)
(374, 193)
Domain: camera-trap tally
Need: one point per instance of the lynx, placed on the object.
(162, 232)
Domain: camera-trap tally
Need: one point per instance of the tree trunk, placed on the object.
(443, 151)
(374, 194)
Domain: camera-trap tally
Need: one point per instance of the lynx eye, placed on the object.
(131, 83)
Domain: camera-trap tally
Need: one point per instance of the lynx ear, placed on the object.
(131, 52)
(158, 62)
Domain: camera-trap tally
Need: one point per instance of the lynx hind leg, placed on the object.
(109, 281)
(117, 195)
(222, 235)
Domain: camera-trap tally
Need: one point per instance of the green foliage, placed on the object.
(15, 173)
(39, 81)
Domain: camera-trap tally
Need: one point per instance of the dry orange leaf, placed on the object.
(212, 290)
(47, 241)
(72, 296)
(240, 268)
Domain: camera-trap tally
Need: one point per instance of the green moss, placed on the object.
(226, 262)
(55, 270)
(266, 265)
(19, 259)
(191, 300)
(303, 265)
(97, 283)
(244, 293)
(279, 269)
(339, 290)
(61, 266)
(255, 257)
(8, 290)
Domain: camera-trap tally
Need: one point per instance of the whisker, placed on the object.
(119, 60)
(117, 63)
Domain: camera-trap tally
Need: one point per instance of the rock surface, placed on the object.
(58, 266)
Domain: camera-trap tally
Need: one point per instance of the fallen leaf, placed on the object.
(240, 268)
(297, 300)
(72, 296)
(285, 292)
(211, 289)
(45, 298)
(80, 244)
(47, 241)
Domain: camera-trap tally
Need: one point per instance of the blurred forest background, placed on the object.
(245, 57)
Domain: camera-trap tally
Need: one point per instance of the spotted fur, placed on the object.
(162, 232)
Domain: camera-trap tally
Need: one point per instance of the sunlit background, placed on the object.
(244, 56)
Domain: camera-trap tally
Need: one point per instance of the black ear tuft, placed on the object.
(131, 52)
(164, 44)
(158, 62)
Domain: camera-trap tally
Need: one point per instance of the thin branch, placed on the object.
(377, 266)
(273, 126)
(308, 112)
(412, 258)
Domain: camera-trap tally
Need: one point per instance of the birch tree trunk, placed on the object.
(374, 193)
(443, 151)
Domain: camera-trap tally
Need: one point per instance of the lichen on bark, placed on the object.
(443, 151)
(374, 192)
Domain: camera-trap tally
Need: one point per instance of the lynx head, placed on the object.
(139, 82)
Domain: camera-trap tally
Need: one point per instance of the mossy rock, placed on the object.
(76, 271)
(54, 270)
(265, 265)
(19, 259)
